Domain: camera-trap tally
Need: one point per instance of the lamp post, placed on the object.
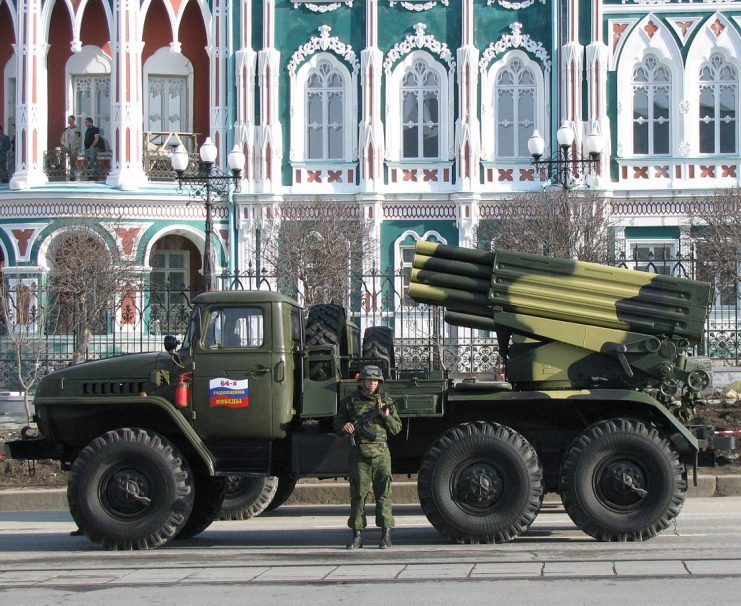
(565, 168)
(209, 184)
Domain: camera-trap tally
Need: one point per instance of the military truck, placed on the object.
(597, 383)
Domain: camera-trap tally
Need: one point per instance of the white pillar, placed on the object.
(127, 113)
(31, 98)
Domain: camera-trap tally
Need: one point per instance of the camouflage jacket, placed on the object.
(361, 402)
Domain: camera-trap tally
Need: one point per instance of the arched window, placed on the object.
(169, 97)
(325, 102)
(515, 100)
(420, 102)
(718, 102)
(652, 82)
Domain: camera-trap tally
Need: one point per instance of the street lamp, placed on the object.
(564, 167)
(210, 185)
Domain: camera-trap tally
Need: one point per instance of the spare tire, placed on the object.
(325, 325)
(378, 345)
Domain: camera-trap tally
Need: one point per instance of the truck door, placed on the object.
(232, 379)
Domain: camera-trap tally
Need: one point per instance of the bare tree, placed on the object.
(314, 247)
(86, 280)
(715, 226)
(571, 224)
(28, 314)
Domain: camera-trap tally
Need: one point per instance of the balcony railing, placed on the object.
(156, 159)
(86, 166)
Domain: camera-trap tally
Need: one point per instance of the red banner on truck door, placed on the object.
(228, 393)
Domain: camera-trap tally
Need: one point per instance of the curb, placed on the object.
(330, 492)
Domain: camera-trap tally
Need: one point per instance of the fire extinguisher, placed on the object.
(182, 390)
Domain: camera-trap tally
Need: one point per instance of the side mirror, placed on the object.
(171, 343)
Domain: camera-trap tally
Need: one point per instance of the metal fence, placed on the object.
(140, 320)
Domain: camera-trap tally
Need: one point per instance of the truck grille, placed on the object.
(101, 388)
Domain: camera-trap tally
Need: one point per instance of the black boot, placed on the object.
(357, 540)
(385, 539)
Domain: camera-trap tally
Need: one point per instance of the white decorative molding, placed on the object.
(513, 5)
(648, 1)
(419, 5)
(324, 42)
(683, 26)
(684, 106)
(317, 6)
(515, 40)
(684, 148)
(418, 41)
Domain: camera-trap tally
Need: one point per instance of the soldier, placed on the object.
(369, 459)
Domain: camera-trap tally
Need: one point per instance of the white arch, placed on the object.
(191, 233)
(9, 74)
(640, 43)
(488, 101)
(46, 249)
(706, 44)
(393, 106)
(298, 108)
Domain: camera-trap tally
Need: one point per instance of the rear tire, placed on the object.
(622, 481)
(247, 497)
(378, 345)
(209, 498)
(481, 483)
(130, 489)
(286, 484)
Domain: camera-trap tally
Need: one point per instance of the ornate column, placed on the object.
(245, 62)
(269, 136)
(127, 113)
(467, 128)
(598, 57)
(371, 139)
(572, 56)
(218, 50)
(31, 114)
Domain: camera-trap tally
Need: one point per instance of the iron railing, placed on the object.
(140, 319)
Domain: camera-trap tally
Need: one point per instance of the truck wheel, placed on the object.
(622, 481)
(325, 325)
(247, 497)
(378, 344)
(130, 489)
(286, 484)
(481, 483)
(209, 498)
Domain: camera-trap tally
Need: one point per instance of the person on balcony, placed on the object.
(71, 145)
(5, 148)
(92, 142)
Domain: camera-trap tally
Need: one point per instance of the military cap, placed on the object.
(371, 372)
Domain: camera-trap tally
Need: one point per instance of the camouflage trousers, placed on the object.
(367, 471)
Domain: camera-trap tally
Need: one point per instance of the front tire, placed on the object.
(481, 483)
(130, 489)
(622, 481)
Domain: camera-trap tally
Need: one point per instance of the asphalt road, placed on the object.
(296, 555)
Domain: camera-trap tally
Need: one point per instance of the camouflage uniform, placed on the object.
(369, 462)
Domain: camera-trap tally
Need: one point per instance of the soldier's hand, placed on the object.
(385, 411)
(348, 428)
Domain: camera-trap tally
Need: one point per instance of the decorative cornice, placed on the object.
(513, 5)
(325, 7)
(418, 41)
(45, 209)
(323, 42)
(419, 5)
(515, 40)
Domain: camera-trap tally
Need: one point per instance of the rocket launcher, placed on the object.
(570, 324)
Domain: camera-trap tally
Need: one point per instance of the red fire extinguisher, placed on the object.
(182, 390)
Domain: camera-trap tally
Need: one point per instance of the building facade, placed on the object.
(414, 114)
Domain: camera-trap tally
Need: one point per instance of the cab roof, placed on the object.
(243, 296)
